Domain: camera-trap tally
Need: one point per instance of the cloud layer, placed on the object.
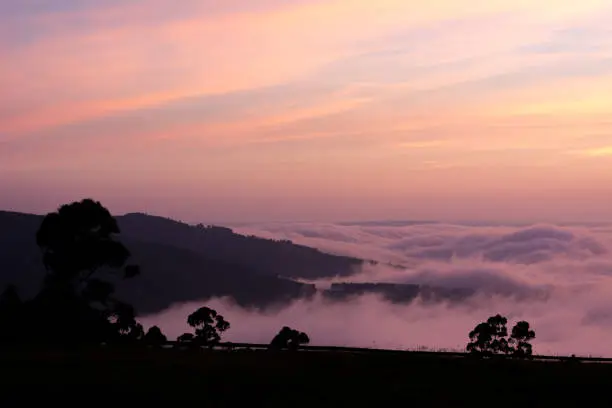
(559, 278)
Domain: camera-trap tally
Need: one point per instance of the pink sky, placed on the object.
(309, 110)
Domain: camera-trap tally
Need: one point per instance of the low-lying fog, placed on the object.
(559, 278)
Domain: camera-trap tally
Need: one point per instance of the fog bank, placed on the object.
(559, 278)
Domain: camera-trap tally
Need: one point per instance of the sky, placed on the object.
(311, 110)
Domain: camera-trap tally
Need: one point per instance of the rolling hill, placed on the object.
(181, 263)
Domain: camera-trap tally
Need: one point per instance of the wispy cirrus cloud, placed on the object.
(338, 83)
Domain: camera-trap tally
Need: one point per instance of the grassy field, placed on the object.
(299, 379)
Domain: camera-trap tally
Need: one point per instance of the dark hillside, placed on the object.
(174, 275)
(268, 257)
(181, 263)
(188, 263)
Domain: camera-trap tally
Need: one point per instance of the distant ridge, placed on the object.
(182, 262)
(388, 223)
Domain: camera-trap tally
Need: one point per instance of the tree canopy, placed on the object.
(11, 307)
(75, 304)
(155, 337)
(79, 239)
(520, 339)
(209, 326)
(490, 337)
(288, 338)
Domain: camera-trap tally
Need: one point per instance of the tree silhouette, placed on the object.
(208, 325)
(520, 340)
(78, 241)
(97, 290)
(10, 301)
(489, 337)
(125, 328)
(11, 309)
(155, 337)
(289, 338)
(185, 338)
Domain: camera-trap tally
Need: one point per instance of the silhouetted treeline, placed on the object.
(77, 303)
(84, 261)
(398, 292)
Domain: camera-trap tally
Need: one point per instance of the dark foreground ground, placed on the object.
(302, 379)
